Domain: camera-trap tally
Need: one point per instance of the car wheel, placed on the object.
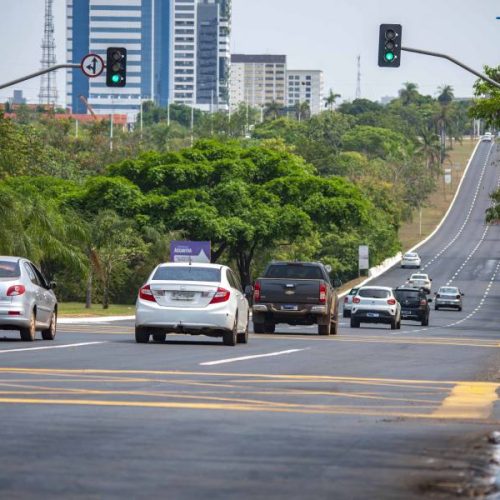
(459, 308)
(324, 329)
(159, 337)
(334, 330)
(50, 333)
(141, 335)
(354, 323)
(398, 326)
(344, 314)
(28, 334)
(259, 328)
(243, 337)
(269, 327)
(231, 338)
(394, 324)
(425, 321)
(436, 308)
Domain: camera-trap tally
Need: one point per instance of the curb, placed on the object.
(96, 319)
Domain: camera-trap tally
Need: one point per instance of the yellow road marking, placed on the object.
(469, 400)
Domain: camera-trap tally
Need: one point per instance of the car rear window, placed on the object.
(291, 271)
(374, 293)
(406, 294)
(354, 291)
(187, 273)
(9, 269)
(451, 291)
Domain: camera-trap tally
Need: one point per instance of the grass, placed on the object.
(439, 201)
(77, 309)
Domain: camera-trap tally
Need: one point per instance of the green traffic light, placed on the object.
(389, 56)
(115, 78)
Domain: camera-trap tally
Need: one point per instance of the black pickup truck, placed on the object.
(295, 293)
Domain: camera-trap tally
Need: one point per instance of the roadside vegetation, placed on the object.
(260, 184)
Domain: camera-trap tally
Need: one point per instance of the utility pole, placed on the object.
(358, 85)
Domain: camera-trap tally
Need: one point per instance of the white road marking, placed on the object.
(245, 358)
(65, 346)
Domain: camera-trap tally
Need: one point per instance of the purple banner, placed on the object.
(194, 251)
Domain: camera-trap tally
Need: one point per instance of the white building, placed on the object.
(306, 86)
(257, 80)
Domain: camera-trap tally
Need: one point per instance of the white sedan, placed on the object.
(421, 281)
(411, 259)
(195, 299)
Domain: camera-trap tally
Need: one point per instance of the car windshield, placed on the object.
(410, 256)
(294, 271)
(373, 293)
(406, 294)
(448, 290)
(9, 269)
(187, 273)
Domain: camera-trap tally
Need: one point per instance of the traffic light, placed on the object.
(116, 67)
(389, 48)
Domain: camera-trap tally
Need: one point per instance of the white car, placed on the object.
(488, 136)
(420, 281)
(348, 302)
(375, 304)
(195, 299)
(411, 259)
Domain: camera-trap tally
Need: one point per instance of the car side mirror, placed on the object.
(337, 283)
(248, 291)
(462, 294)
(52, 285)
(430, 301)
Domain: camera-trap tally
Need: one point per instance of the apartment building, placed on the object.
(306, 86)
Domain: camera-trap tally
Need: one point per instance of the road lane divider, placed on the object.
(44, 348)
(256, 356)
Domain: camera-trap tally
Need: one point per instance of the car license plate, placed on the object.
(373, 315)
(288, 307)
(406, 313)
(182, 295)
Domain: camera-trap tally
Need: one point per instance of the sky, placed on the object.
(314, 34)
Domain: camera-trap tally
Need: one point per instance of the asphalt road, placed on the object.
(371, 413)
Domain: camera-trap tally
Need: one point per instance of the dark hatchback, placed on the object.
(414, 304)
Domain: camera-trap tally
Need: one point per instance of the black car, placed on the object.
(414, 304)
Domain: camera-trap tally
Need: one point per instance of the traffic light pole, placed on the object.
(38, 73)
(454, 61)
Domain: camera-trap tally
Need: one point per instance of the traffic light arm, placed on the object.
(38, 73)
(454, 61)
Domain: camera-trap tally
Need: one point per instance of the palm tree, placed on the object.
(302, 111)
(430, 148)
(273, 110)
(330, 100)
(409, 93)
(446, 95)
(443, 119)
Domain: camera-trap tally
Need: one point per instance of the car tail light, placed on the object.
(458, 296)
(256, 292)
(15, 290)
(14, 313)
(356, 300)
(438, 296)
(145, 293)
(346, 300)
(392, 302)
(423, 302)
(322, 293)
(221, 295)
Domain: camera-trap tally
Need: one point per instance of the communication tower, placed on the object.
(48, 85)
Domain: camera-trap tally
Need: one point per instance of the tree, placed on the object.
(273, 110)
(486, 106)
(330, 100)
(409, 93)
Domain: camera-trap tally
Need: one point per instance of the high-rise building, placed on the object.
(257, 80)
(177, 52)
(143, 28)
(213, 58)
(306, 86)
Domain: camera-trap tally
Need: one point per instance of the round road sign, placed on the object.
(92, 65)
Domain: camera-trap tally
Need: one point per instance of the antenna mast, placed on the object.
(358, 86)
(48, 85)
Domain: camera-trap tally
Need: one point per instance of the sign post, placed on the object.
(92, 65)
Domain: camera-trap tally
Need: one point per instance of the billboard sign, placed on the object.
(190, 251)
(364, 258)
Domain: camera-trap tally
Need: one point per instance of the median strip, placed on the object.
(256, 356)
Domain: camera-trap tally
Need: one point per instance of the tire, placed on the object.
(243, 337)
(394, 324)
(259, 328)
(436, 308)
(354, 323)
(346, 314)
(141, 335)
(159, 337)
(269, 327)
(231, 338)
(50, 333)
(335, 328)
(324, 329)
(398, 325)
(28, 334)
(459, 308)
(425, 321)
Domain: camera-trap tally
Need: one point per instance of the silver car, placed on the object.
(448, 297)
(196, 299)
(27, 300)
